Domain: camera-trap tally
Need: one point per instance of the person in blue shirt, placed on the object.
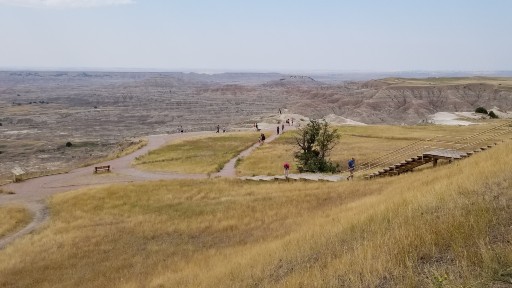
(351, 168)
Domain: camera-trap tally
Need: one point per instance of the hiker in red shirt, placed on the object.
(286, 169)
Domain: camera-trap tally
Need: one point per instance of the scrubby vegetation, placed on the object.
(481, 110)
(493, 115)
(448, 226)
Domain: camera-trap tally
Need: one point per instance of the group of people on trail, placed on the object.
(218, 129)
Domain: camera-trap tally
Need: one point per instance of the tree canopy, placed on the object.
(315, 141)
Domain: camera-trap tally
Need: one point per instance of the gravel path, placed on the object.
(33, 193)
(229, 169)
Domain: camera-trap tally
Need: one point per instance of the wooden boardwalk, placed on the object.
(427, 157)
(439, 147)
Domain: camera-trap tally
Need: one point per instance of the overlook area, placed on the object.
(151, 223)
(103, 113)
(258, 144)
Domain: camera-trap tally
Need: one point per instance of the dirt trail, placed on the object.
(34, 192)
(40, 214)
(229, 169)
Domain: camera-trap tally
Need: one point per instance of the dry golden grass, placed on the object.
(268, 159)
(12, 218)
(449, 226)
(504, 82)
(364, 143)
(198, 155)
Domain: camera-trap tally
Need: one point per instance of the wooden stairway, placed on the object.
(430, 156)
(440, 147)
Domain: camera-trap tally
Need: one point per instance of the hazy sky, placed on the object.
(262, 35)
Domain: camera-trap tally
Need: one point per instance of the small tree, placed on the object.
(315, 141)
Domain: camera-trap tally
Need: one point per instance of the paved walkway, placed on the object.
(302, 176)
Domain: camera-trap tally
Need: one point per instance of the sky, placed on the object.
(257, 35)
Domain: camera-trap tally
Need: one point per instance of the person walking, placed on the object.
(277, 129)
(351, 168)
(262, 138)
(218, 129)
(286, 167)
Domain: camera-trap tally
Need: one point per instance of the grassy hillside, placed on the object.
(444, 227)
(365, 143)
(13, 218)
(201, 155)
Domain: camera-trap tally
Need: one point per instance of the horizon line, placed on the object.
(223, 71)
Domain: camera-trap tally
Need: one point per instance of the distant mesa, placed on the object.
(293, 80)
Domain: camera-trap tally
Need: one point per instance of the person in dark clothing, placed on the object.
(277, 129)
(351, 168)
(262, 138)
(218, 129)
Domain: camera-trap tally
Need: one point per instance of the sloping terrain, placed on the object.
(95, 111)
(449, 226)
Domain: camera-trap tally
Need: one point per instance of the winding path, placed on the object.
(33, 193)
(229, 170)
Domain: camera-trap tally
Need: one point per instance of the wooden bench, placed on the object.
(102, 169)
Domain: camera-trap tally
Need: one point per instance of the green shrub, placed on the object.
(481, 110)
(493, 115)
